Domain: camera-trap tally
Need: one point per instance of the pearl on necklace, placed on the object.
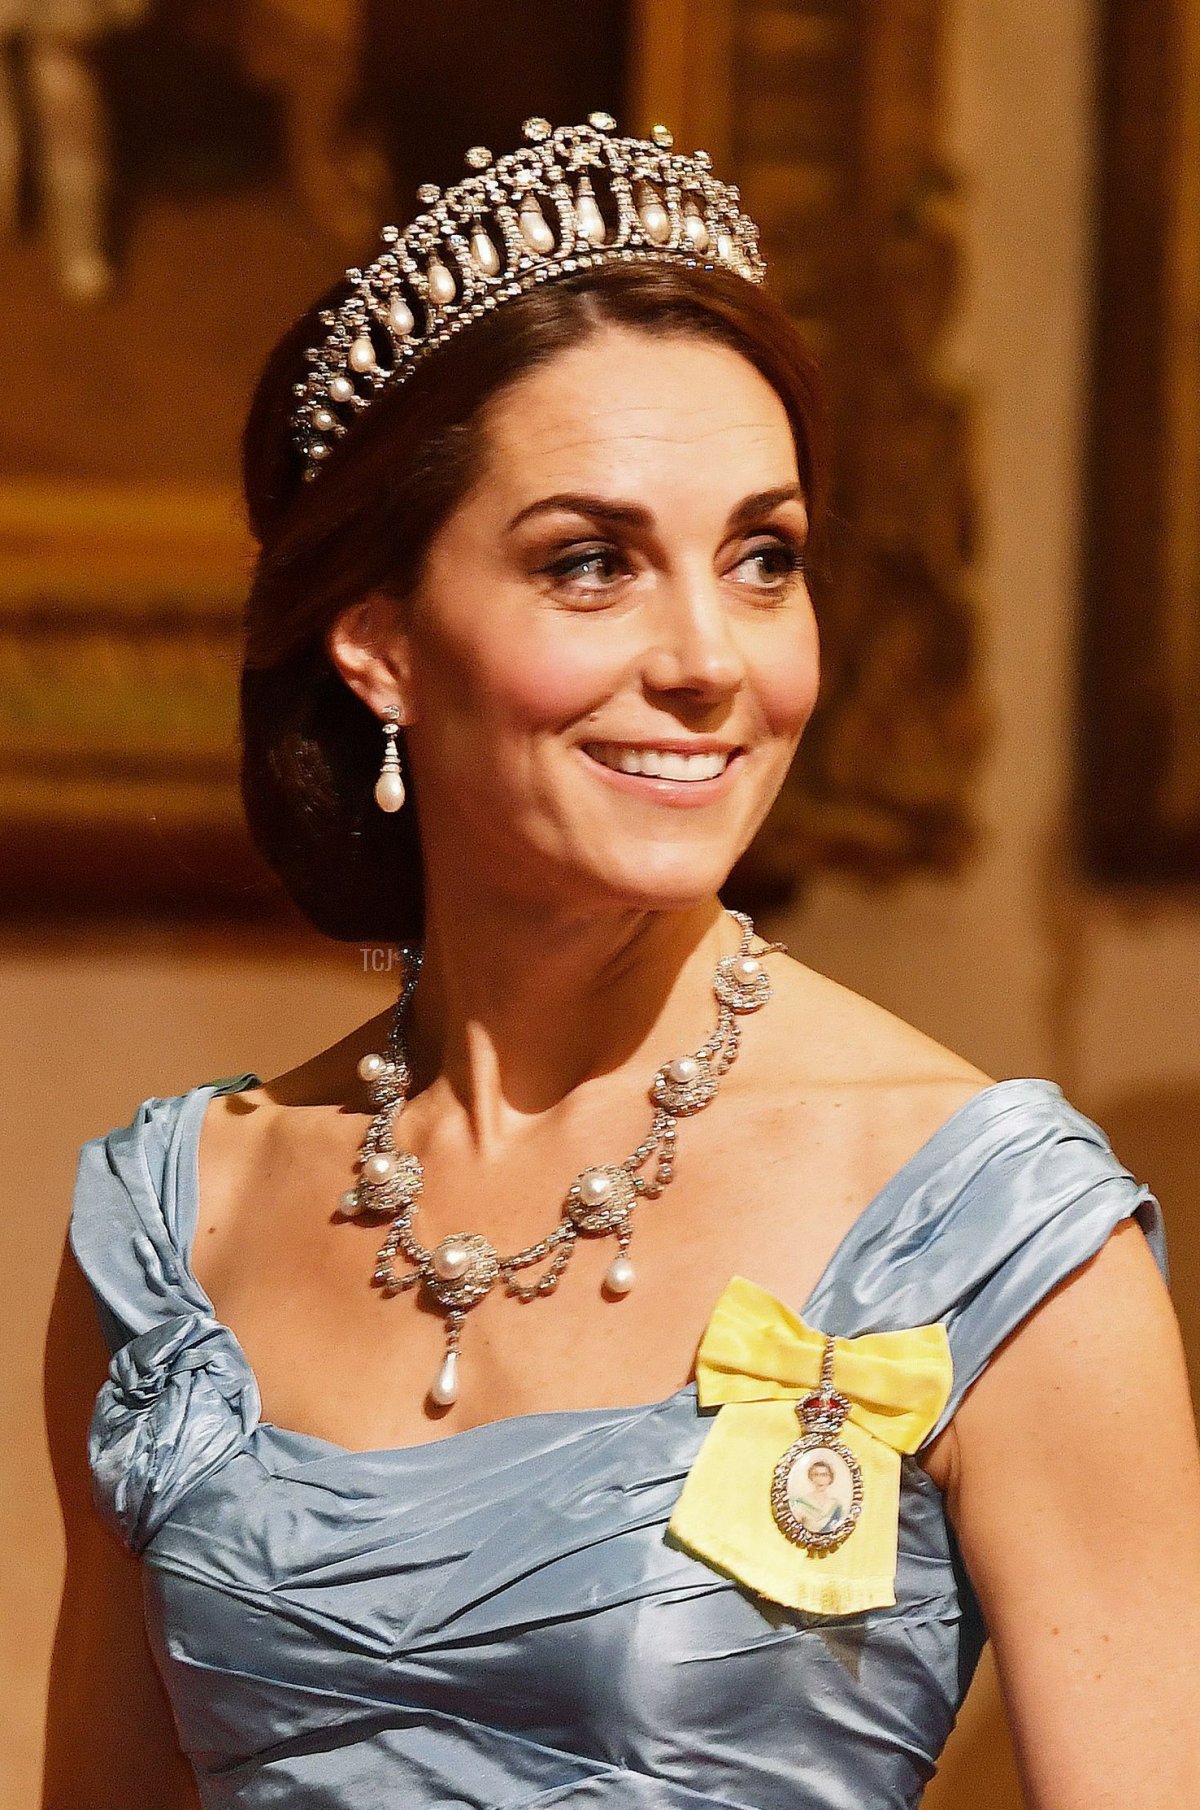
(456, 1274)
(451, 1260)
(595, 1187)
(620, 1276)
(444, 1390)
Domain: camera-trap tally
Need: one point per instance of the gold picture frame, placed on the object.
(119, 610)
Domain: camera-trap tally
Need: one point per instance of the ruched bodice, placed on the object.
(498, 1618)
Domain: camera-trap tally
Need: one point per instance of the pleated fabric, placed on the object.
(499, 1619)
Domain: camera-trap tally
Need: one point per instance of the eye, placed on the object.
(773, 565)
(589, 569)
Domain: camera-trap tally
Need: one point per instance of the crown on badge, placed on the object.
(566, 200)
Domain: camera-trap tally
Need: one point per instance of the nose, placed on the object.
(694, 650)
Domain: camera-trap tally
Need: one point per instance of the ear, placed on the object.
(368, 645)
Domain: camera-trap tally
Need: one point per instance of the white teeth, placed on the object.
(656, 763)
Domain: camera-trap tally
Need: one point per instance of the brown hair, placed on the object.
(311, 748)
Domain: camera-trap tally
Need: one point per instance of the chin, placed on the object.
(665, 885)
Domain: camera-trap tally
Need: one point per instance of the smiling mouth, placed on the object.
(660, 763)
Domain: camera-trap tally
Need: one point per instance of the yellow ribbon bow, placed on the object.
(758, 1359)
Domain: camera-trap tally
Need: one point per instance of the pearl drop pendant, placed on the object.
(389, 787)
(620, 1276)
(655, 219)
(589, 220)
(400, 317)
(389, 790)
(362, 354)
(535, 229)
(444, 1389)
(695, 231)
(442, 287)
(484, 253)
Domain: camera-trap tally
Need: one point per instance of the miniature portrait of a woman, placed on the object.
(816, 1505)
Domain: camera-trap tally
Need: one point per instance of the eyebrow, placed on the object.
(636, 515)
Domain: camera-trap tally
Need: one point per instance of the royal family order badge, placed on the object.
(817, 1487)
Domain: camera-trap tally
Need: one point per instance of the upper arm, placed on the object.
(110, 1738)
(1075, 1493)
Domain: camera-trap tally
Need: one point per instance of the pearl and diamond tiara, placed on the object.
(566, 200)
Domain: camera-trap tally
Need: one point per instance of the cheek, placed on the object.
(786, 680)
(534, 677)
(558, 680)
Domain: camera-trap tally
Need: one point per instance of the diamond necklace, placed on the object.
(459, 1272)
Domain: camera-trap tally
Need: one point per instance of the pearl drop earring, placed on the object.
(389, 787)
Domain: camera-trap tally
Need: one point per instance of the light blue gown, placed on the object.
(496, 1619)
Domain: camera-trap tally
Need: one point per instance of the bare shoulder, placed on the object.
(824, 1041)
(327, 1081)
(837, 1097)
(249, 1137)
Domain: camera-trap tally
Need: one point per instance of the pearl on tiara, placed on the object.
(567, 200)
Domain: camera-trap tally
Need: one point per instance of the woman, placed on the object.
(539, 508)
(818, 1507)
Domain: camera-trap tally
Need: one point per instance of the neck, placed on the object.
(515, 1017)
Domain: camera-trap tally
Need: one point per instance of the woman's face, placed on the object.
(820, 1476)
(612, 651)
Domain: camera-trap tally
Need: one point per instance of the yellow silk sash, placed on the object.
(758, 1359)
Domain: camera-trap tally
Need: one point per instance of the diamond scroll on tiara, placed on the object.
(566, 200)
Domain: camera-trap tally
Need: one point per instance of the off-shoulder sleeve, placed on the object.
(121, 1229)
(1016, 1193)
(133, 1211)
(180, 1397)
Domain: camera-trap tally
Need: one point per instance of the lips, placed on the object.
(661, 763)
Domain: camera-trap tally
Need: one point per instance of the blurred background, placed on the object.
(986, 214)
